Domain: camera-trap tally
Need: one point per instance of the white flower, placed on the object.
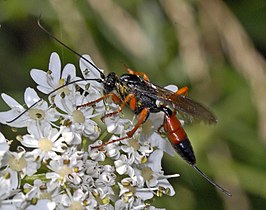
(8, 183)
(136, 150)
(52, 79)
(18, 164)
(74, 201)
(4, 147)
(13, 201)
(153, 174)
(68, 167)
(96, 153)
(88, 71)
(152, 137)
(117, 125)
(41, 190)
(123, 165)
(68, 170)
(113, 150)
(106, 178)
(44, 204)
(92, 168)
(40, 113)
(130, 201)
(134, 187)
(46, 142)
(78, 120)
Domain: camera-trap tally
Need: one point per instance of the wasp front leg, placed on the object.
(113, 96)
(142, 116)
(131, 99)
(141, 119)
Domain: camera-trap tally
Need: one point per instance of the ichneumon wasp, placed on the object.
(135, 90)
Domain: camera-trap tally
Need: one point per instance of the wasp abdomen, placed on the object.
(178, 137)
(185, 150)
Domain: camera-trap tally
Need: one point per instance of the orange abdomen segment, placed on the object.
(178, 137)
(173, 129)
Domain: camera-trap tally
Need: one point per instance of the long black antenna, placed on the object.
(68, 83)
(53, 91)
(67, 47)
(210, 181)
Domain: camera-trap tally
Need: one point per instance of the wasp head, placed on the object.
(110, 82)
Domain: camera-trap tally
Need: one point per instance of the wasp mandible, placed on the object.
(135, 90)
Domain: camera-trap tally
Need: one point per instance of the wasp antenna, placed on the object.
(212, 182)
(53, 91)
(67, 47)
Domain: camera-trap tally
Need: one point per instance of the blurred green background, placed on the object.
(216, 48)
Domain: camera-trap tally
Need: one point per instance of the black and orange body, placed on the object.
(178, 137)
(143, 97)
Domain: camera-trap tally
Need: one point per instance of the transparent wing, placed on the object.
(184, 105)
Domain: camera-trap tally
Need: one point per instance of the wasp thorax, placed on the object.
(130, 79)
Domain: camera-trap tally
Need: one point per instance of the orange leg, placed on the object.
(141, 118)
(132, 103)
(114, 97)
(141, 74)
(182, 91)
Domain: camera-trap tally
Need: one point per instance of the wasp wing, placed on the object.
(184, 105)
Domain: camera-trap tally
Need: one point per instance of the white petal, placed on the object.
(144, 195)
(7, 116)
(172, 88)
(40, 77)
(121, 168)
(155, 160)
(78, 194)
(30, 96)
(4, 147)
(10, 101)
(164, 183)
(55, 66)
(68, 136)
(69, 71)
(29, 141)
(2, 138)
(163, 144)
(92, 71)
(44, 204)
(32, 168)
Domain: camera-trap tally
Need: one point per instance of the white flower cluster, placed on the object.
(57, 166)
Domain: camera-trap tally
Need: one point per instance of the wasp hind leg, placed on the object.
(182, 91)
(141, 74)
